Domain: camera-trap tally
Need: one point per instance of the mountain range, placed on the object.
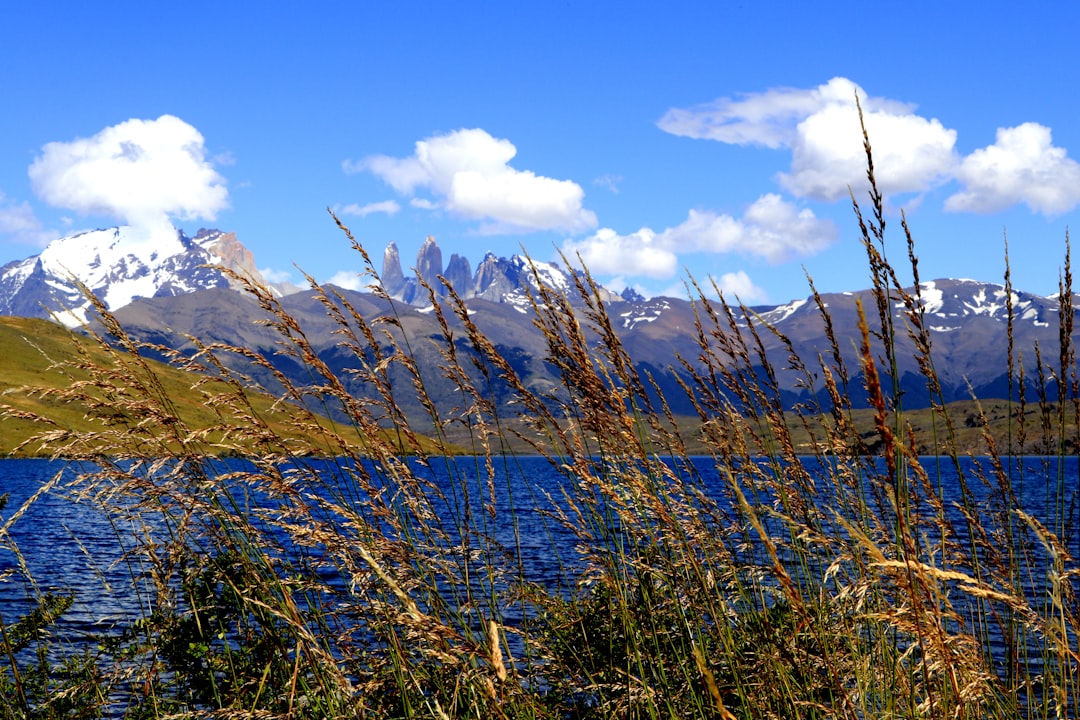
(168, 294)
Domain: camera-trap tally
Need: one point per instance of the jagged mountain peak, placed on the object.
(119, 264)
(497, 279)
(393, 278)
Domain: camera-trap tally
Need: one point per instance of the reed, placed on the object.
(357, 565)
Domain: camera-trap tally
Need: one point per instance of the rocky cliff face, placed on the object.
(496, 278)
(429, 261)
(230, 252)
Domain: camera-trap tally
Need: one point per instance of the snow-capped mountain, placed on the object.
(118, 265)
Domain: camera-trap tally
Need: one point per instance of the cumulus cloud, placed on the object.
(350, 280)
(771, 228)
(738, 284)
(19, 223)
(641, 253)
(275, 276)
(1022, 166)
(468, 173)
(821, 128)
(143, 172)
(912, 154)
(386, 206)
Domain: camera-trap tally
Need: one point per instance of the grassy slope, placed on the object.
(969, 433)
(31, 348)
(40, 354)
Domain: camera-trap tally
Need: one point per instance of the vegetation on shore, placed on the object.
(866, 588)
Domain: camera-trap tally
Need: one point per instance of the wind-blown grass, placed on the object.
(831, 574)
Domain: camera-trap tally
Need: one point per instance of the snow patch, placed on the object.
(647, 313)
(782, 312)
(549, 274)
(933, 299)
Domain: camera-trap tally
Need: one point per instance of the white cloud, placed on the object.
(349, 279)
(389, 207)
(468, 173)
(739, 285)
(770, 118)
(275, 276)
(1021, 166)
(771, 228)
(779, 231)
(821, 128)
(640, 253)
(912, 154)
(19, 223)
(140, 171)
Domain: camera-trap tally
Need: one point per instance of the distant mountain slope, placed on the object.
(967, 321)
(968, 325)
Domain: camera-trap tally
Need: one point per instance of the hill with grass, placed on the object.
(66, 394)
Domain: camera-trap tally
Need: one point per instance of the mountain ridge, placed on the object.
(966, 320)
(167, 294)
(497, 279)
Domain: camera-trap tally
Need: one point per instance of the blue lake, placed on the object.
(72, 547)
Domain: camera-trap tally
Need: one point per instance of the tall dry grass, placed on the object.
(329, 574)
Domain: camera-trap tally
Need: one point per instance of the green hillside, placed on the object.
(81, 394)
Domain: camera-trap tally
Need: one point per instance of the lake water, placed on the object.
(71, 547)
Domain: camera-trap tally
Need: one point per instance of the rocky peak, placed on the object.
(496, 278)
(393, 279)
(459, 275)
(429, 261)
(230, 253)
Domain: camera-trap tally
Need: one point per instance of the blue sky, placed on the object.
(652, 139)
